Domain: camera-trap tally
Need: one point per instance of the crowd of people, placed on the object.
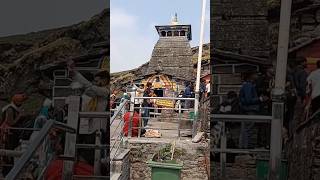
(150, 105)
(302, 96)
(94, 97)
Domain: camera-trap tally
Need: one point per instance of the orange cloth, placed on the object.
(55, 169)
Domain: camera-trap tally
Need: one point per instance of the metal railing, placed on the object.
(147, 118)
(34, 145)
(222, 119)
(118, 131)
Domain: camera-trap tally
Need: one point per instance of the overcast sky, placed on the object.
(133, 34)
(24, 16)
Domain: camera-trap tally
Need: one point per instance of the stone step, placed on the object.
(115, 176)
(116, 165)
(121, 165)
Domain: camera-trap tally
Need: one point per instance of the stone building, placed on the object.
(171, 60)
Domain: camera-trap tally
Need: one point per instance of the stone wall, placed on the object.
(240, 26)
(304, 152)
(244, 167)
(194, 159)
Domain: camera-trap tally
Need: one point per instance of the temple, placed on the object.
(171, 60)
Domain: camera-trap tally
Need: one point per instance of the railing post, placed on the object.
(223, 156)
(276, 140)
(196, 112)
(97, 153)
(279, 90)
(140, 118)
(179, 119)
(131, 118)
(71, 139)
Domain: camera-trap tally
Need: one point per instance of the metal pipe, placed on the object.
(64, 127)
(160, 108)
(10, 153)
(168, 118)
(91, 146)
(268, 121)
(241, 151)
(25, 129)
(118, 111)
(166, 98)
(279, 91)
(75, 177)
(240, 117)
(196, 103)
(94, 114)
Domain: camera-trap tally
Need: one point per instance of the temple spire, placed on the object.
(174, 20)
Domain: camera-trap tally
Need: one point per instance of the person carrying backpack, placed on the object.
(11, 116)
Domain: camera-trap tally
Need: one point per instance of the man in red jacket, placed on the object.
(135, 123)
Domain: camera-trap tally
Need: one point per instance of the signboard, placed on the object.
(224, 89)
(165, 103)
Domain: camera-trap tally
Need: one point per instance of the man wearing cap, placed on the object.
(139, 93)
(98, 92)
(12, 115)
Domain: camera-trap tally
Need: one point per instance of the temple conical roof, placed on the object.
(172, 56)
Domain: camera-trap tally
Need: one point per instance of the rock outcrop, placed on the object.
(22, 55)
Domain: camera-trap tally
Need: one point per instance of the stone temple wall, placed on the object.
(240, 26)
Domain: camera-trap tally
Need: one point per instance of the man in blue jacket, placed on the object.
(249, 105)
(188, 94)
(300, 78)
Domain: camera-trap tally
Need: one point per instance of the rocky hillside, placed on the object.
(21, 55)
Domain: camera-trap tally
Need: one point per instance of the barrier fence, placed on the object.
(222, 119)
(142, 109)
(30, 151)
